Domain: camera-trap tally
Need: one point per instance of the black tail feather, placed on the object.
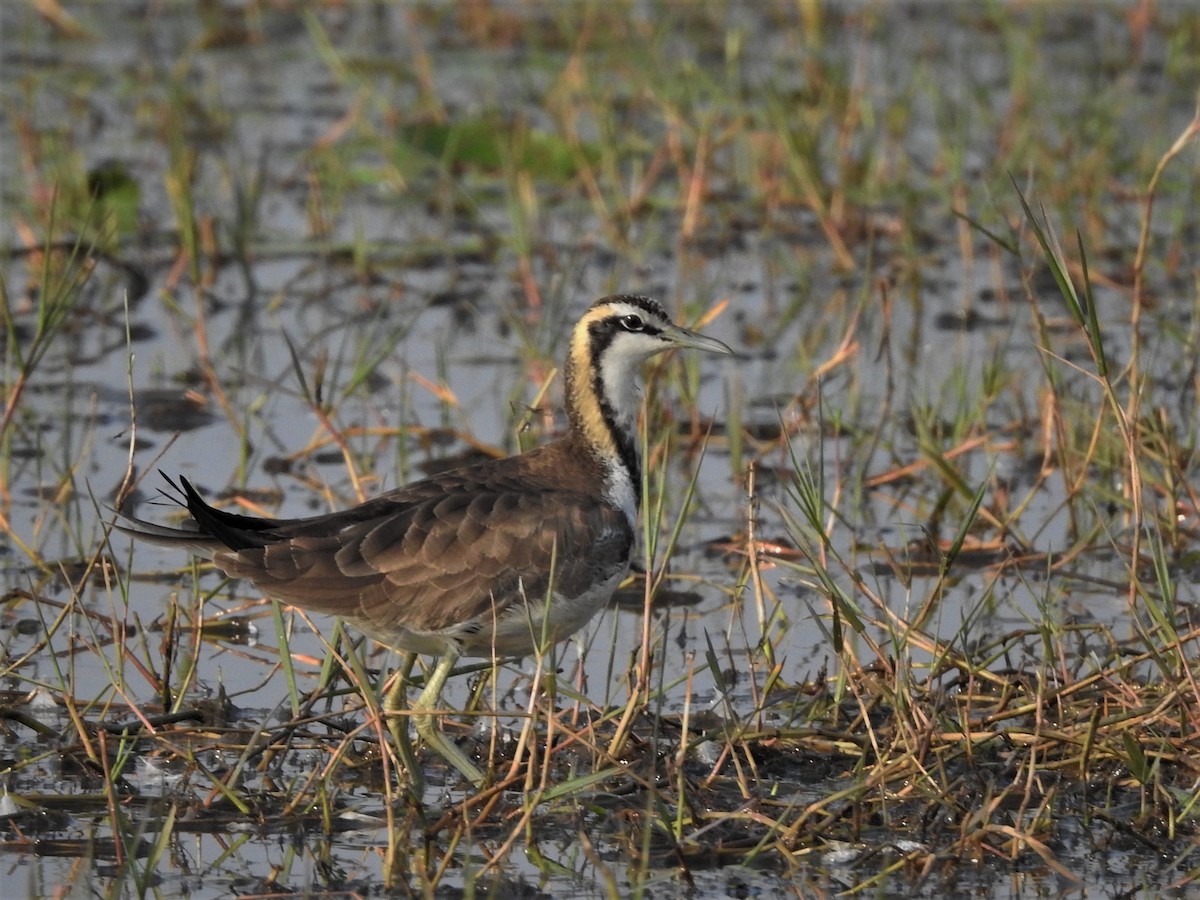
(237, 532)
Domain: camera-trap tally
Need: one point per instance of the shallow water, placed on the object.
(351, 256)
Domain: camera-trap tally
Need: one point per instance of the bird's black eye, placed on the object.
(632, 322)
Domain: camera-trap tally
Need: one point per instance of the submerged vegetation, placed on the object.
(917, 609)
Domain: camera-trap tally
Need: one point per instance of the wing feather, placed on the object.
(436, 564)
(437, 559)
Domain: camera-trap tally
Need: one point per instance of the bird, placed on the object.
(496, 558)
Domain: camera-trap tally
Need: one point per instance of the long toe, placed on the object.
(447, 749)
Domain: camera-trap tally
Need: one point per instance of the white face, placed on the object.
(623, 360)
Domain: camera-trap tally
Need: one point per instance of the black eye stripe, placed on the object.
(602, 331)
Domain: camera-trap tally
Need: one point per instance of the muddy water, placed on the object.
(357, 256)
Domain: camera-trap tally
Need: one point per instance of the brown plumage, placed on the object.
(496, 558)
(437, 562)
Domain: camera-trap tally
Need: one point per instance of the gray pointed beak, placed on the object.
(682, 337)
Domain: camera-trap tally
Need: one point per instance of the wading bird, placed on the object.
(493, 559)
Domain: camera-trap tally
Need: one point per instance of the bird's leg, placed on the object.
(398, 724)
(427, 726)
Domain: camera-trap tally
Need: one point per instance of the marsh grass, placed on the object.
(871, 499)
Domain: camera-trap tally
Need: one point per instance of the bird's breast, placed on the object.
(534, 624)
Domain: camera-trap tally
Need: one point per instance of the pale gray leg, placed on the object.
(427, 726)
(398, 724)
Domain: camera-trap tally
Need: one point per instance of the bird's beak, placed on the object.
(682, 337)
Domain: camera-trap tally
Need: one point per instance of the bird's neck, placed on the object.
(602, 409)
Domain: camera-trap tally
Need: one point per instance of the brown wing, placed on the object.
(433, 562)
